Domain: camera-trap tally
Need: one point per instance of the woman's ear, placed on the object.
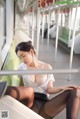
(32, 52)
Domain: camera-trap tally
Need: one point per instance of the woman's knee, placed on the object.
(30, 92)
(30, 97)
(75, 92)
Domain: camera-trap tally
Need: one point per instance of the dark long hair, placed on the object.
(24, 46)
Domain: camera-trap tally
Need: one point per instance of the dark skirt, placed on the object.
(39, 100)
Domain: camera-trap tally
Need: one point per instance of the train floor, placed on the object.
(47, 54)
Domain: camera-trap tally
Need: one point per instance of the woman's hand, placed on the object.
(52, 90)
(78, 93)
(69, 87)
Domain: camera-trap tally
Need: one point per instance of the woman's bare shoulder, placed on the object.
(46, 65)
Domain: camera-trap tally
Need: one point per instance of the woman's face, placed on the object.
(26, 57)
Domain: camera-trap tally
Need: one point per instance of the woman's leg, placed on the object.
(76, 105)
(67, 99)
(21, 93)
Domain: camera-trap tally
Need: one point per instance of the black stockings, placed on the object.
(66, 99)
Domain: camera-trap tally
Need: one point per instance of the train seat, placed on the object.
(13, 109)
(64, 35)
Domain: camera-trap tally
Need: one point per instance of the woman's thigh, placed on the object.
(19, 93)
(52, 107)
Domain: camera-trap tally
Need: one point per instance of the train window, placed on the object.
(62, 19)
(78, 18)
(65, 18)
(2, 26)
(78, 22)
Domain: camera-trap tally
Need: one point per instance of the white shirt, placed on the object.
(53, 31)
(41, 85)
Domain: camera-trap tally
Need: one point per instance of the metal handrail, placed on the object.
(39, 71)
(24, 29)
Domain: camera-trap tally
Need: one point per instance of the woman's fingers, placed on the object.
(75, 86)
(78, 93)
(71, 87)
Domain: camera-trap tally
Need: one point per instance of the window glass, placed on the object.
(2, 26)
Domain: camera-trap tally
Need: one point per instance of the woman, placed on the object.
(43, 86)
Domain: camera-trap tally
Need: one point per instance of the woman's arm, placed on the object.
(53, 90)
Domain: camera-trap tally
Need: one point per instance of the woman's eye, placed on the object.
(23, 56)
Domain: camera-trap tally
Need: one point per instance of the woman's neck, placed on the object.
(34, 64)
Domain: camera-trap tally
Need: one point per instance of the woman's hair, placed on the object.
(24, 46)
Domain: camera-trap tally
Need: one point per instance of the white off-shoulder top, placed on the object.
(41, 85)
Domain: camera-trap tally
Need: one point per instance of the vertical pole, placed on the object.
(43, 27)
(14, 16)
(48, 27)
(57, 32)
(28, 15)
(33, 25)
(38, 30)
(70, 19)
(73, 38)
